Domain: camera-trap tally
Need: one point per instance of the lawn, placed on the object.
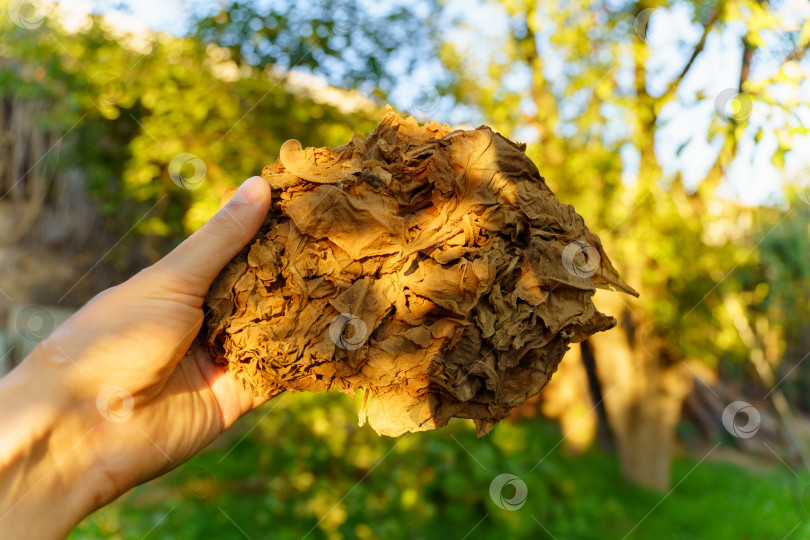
(301, 468)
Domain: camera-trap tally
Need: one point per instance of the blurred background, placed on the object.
(679, 129)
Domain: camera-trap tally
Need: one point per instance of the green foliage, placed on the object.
(781, 290)
(126, 113)
(348, 42)
(307, 471)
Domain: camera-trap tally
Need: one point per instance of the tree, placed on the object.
(349, 43)
(146, 131)
(596, 99)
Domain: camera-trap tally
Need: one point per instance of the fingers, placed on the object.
(233, 398)
(197, 261)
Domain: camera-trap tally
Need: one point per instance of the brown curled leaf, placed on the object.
(305, 164)
(432, 268)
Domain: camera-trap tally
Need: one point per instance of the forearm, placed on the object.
(44, 472)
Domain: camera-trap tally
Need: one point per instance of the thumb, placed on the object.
(198, 260)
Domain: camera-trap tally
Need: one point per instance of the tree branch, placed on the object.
(672, 89)
(797, 54)
(745, 65)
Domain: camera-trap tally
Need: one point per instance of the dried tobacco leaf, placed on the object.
(432, 268)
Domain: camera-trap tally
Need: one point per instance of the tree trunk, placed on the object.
(567, 399)
(643, 392)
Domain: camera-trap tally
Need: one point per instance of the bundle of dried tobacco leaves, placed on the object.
(432, 268)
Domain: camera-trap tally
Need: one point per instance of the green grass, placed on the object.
(307, 470)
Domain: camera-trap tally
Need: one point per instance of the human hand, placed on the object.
(114, 397)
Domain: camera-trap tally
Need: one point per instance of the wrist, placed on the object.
(42, 462)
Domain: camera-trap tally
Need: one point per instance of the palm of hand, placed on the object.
(146, 401)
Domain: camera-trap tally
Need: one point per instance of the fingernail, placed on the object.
(250, 191)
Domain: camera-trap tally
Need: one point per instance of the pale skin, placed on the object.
(72, 439)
